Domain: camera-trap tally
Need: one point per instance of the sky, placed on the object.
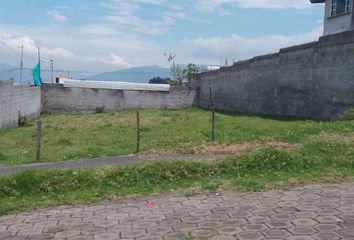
(109, 35)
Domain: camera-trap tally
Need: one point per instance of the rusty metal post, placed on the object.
(38, 139)
(137, 131)
(212, 104)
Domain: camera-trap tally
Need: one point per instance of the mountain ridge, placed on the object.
(138, 74)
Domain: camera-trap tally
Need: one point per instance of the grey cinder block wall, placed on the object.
(58, 99)
(15, 99)
(314, 80)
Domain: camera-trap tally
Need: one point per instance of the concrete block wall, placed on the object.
(58, 99)
(15, 99)
(314, 80)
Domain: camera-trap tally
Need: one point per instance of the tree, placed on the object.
(177, 72)
(191, 70)
(159, 80)
(180, 74)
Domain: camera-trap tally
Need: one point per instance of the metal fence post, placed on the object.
(38, 138)
(137, 131)
(212, 103)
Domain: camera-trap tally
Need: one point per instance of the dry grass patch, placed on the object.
(222, 149)
(332, 137)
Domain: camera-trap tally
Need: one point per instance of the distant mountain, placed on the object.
(138, 74)
(6, 71)
(5, 66)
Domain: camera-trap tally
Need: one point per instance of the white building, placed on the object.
(338, 15)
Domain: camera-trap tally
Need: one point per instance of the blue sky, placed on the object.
(106, 35)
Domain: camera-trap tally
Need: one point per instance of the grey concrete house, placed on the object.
(338, 15)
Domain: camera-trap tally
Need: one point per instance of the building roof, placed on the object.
(116, 85)
(317, 1)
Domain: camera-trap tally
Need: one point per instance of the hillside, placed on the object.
(138, 74)
(7, 71)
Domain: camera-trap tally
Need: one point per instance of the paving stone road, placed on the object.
(311, 212)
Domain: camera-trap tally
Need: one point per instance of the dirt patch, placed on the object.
(332, 137)
(280, 145)
(220, 149)
(223, 149)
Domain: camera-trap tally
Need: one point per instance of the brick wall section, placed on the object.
(57, 99)
(314, 80)
(15, 99)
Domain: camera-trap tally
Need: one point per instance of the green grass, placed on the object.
(314, 161)
(97, 135)
(324, 153)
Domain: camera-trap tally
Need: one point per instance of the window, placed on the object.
(339, 7)
(348, 5)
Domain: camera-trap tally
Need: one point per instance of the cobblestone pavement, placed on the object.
(312, 212)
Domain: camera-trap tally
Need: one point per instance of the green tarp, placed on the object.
(37, 75)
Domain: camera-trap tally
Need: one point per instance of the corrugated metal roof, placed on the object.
(117, 85)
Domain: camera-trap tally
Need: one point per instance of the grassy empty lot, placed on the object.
(315, 161)
(76, 137)
(319, 152)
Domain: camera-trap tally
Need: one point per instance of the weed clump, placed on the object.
(100, 110)
(22, 120)
(3, 157)
(347, 116)
(64, 142)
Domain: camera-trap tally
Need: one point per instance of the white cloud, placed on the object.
(57, 16)
(210, 50)
(123, 14)
(87, 48)
(209, 5)
(57, 52)
(115, 61)
(117, 38)
(11, 43)
(117, 51)
(95, 29)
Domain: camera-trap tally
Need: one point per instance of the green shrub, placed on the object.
(22, 120)
(347, 116)
(100, 110)
(3, 157)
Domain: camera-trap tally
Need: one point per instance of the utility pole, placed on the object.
(39, 62)
(21, 65)
(52, 68)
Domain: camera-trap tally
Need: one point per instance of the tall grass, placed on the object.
(98, 135)
(258, 170)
